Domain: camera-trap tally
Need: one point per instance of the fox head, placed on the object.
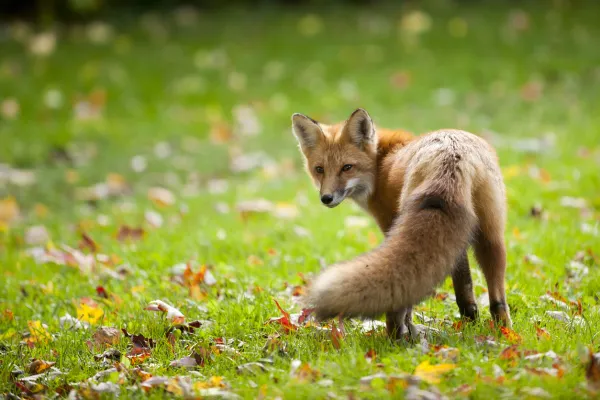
(340, 158)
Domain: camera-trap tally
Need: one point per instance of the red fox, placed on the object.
(432, 196)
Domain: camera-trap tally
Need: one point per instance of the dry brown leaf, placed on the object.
(106, 336)
(592, 372)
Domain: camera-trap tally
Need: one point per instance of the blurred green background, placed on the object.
(100, 101)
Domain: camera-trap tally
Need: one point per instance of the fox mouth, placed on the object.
(338, 198)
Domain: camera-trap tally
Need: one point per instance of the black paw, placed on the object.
(469, 311)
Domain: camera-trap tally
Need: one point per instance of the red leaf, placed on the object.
(101, 292)
(305, 314)
(336, 336)
(284, 321)
(281, 310)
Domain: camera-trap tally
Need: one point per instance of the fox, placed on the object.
(433, 196)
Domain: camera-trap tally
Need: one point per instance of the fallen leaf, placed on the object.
(39, 366)
(154, 382)
(138, 355)
(87, 313)
(356, 222)
(161, 197)
(539, 356)
(100, 291)
(285, 320)
(592, 372)
(303, 372)
(9, 210)
(432, 373)
(191, 361)
(139, 340)
(9, 108)
(573, 202)
(446, 353)
(70, 322)
(336, 336)
(251, 368)
(126, 232)
(220, 132)
(536, 392)
(153, 218)
(106, 336)
(370, 355)
(510, 335)
(173, 314)
(541, 333)
(257, 206)
(38, 333)
(87, 243)
(36, 235)
(110, 355)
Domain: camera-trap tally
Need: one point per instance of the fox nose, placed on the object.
(326, 199)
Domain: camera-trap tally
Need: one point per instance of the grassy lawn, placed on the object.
(199, 105)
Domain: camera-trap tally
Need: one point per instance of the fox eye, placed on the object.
(347, 167)
(319, 170)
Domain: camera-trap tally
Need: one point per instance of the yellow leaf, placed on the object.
(40, 210)
(89, 314)
(39, 334)
(9, 210)
(138, 289)
(431, 373)
(214, 381)
(372, 238)
(516, 233)
(511, 171)
(174, 387)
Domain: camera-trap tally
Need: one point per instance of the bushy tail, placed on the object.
(434, 227)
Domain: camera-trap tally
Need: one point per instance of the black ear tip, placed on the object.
(360, 111)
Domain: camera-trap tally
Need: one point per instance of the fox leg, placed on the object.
(491, 255)
(399, 323)
(489, 246)
(463, 288)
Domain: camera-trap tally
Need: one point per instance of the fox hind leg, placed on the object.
(399, 324)
(463, 288)
(490, 249)
(491, 255)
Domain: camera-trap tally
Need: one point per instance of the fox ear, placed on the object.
(307, 131)
(360, 128)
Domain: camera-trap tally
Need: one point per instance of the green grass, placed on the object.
(160, 88)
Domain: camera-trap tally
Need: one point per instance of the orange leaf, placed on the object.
(510, 335)
(370, 355)
(542, 333)
(510, 353)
